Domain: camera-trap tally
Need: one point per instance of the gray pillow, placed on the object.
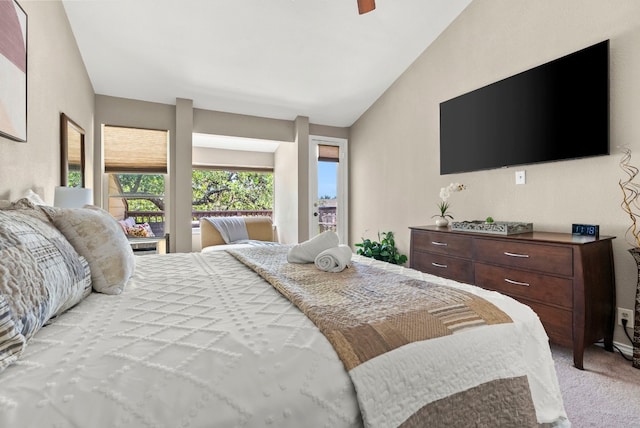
(41, 276)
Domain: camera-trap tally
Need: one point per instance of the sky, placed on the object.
(327, 176)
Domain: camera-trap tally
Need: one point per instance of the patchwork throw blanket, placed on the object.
(378, 323)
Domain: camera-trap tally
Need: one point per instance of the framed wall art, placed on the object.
(13, 71)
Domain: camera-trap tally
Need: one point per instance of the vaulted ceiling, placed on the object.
(269, 58)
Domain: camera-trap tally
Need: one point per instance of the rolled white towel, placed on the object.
(334, 259)
(307, 251)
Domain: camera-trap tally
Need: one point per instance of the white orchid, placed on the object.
(445, 193)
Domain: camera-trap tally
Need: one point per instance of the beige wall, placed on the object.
(57, 82)
(491, 40)
(238, 125)
(180, 177)
(328, 131)
(231, 158)
(302, 143)
(285, 192)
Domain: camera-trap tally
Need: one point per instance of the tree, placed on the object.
(212, 190)
(215, 190)
(74, 179)
(144, 192)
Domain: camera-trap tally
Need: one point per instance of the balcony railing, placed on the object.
(197, 215)
(327, 220)
(155, 219)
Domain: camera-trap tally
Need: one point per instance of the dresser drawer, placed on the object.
(530, 285)
(444, 266)
(558, 323)
(441, 243)
(543, 258)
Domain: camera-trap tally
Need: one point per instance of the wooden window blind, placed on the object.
(129, 150)
(74, 151)
(328, 153)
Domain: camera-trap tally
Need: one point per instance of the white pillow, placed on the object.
(98, 237)
(29, 195)
(33, 197)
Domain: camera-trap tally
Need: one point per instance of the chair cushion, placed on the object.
(258, 229)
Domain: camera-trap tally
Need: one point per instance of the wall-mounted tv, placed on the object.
(556, 111)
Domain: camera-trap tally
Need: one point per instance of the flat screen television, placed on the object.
(556, 111)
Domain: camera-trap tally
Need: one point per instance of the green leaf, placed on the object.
(384, 249)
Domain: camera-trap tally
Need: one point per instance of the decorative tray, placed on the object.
(497, 227)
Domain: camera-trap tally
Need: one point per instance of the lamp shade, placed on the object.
(72, 197)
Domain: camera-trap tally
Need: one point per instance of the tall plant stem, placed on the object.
(630, 192)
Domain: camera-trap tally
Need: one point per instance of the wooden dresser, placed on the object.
(567, 280)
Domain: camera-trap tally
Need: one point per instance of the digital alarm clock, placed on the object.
(585, 230)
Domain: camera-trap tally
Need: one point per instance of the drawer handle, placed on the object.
(440, 244)
(439, 265)
(506, 253)
(510, 281)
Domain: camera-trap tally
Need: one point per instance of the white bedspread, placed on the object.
(199, 340)
(195, 340)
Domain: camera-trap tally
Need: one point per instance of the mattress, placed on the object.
(200, 340)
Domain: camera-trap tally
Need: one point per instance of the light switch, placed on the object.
(521, 177)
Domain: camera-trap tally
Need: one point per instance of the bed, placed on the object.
(207, 340)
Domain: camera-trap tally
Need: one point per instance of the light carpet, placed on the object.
(605, 394)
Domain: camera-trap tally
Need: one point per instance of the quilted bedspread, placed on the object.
(370, 314)
(200, 340)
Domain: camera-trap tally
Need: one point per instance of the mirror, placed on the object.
(71, 153)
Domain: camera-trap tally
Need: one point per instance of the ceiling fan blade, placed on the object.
(365, 6)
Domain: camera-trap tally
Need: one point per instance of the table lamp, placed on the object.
(72, 197)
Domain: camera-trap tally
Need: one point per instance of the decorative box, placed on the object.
(496, 228)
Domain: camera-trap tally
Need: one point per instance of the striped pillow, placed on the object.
(11, 341)
(41, 276)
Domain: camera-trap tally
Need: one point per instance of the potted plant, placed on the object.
(384, 249)
(443, 206)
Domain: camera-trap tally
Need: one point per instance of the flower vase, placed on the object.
(442, 221)
(635, 252)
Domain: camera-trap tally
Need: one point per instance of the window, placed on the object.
(229, 192)
(135, 161)
(140, 196)
(328, 161)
